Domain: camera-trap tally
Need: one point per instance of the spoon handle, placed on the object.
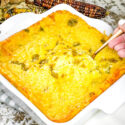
(119, 32)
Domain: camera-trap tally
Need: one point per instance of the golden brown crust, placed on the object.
(50, 63)
(117, 72)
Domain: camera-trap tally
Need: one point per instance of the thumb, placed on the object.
(122, 27)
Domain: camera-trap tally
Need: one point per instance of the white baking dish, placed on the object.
(108, 102)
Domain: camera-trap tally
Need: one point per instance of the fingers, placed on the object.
(121, 53)
(119, 46)
(116, 41)
(116, 30)
(122, 27)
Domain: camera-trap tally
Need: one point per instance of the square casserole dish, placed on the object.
(108, 102)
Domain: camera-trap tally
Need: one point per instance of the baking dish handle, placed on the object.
(112, 98)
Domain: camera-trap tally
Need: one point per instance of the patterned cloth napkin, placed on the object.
(17, 104)
(7, 100)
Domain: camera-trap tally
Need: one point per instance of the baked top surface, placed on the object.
(51, 64)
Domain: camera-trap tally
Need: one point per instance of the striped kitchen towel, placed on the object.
(7, 100)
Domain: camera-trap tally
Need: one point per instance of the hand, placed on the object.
(118, 43)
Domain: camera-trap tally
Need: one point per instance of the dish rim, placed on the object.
(40, 17)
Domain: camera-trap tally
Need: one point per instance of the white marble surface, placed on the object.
(10, 116)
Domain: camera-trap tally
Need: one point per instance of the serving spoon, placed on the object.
(119, 32)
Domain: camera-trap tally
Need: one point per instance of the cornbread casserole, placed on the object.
(50, 63)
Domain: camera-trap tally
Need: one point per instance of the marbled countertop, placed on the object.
(116, 8)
